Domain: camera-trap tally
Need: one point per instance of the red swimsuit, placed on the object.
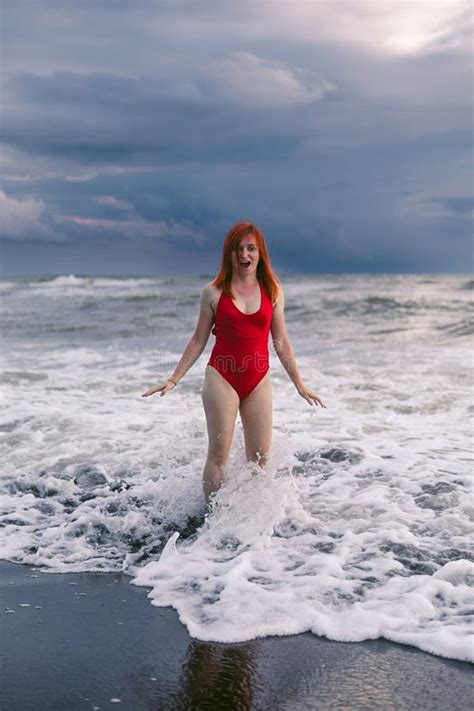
(240, 353)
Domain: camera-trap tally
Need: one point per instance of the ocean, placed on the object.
(360, 527)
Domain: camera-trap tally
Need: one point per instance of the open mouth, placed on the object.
(245, 264)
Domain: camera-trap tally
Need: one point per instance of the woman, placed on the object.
(244, 302)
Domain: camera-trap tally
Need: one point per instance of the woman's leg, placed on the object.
(256, 413)
(221, 405)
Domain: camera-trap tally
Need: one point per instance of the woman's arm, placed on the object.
(284, 351)
(195, 345)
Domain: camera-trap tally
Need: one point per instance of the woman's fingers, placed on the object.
(164, 388)
(149, 392)
(156, 389)
(319, 401)
(312, 398)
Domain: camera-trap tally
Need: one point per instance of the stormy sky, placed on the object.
(136, 132)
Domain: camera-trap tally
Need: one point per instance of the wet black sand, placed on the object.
(89, 638)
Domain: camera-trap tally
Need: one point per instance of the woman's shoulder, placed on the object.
(279, 298)
(210, 295)
(210, 289)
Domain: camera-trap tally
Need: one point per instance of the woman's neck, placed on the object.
(246, 283)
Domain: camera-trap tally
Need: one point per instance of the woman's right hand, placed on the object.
(162, 389)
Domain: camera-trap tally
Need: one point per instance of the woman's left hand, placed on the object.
(311, 397)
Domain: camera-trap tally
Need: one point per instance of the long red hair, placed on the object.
(265, 273)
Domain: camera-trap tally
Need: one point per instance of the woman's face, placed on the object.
(245, 259)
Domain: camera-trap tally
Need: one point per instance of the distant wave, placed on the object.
(465, 327)
(87, 281)
(370, 305)
(7, 286)
(69, 280)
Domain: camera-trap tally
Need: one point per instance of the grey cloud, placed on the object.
(102, 119)
(190, 116)
(463, 204)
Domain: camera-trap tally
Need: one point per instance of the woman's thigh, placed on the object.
(221, 405)
(256, 413)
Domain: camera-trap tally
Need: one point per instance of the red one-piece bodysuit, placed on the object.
(240, 353)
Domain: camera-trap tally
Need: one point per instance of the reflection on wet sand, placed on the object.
(217, 676)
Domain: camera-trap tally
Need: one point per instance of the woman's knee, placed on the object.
(218, 456)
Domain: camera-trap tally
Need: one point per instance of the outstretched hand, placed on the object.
(311, 397)
(162, 389)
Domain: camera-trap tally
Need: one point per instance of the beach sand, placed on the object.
(94, 641)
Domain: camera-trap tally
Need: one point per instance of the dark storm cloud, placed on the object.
(153, 126)
(109, 119)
